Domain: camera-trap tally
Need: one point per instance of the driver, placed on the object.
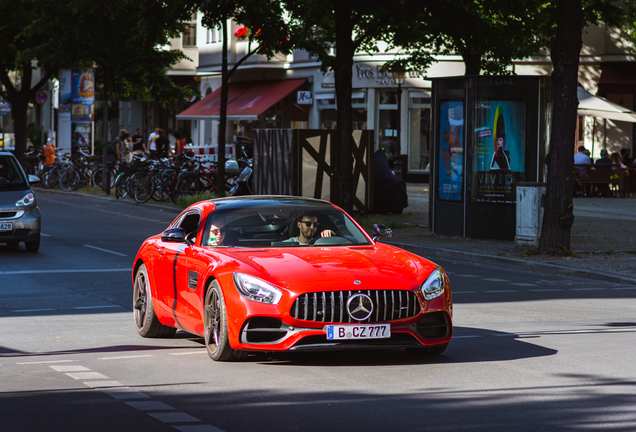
(216, 234)
(308, 226)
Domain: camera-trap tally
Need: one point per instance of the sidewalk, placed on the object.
(603, 240)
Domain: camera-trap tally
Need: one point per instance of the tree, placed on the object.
(333, 31)
(488, 34)
(267, 34)
(124, 40)
(17, 63)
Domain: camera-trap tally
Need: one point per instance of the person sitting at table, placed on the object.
(581, 158)
(605, 159)
(616, 159)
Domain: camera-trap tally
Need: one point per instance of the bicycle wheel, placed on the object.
(121, 191)
(70, 180)
(97, 178)
(144, 188)
(163, 188)
(189, 185)
(50, 178)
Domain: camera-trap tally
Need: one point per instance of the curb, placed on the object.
(519, 264)
(112, 198)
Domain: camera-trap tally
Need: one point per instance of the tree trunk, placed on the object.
(558, 216)
(220, 170)
(105, 171)
(472, 62)
(343, 169)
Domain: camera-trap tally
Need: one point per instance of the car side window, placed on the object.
(190, 224)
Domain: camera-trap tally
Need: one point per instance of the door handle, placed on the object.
(161, 252)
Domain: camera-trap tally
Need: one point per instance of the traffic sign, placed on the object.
(42, 97)
(5, 107)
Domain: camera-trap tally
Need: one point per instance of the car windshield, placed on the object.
(11, 176)
(280, 226)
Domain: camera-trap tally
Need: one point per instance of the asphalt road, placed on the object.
(530, 352)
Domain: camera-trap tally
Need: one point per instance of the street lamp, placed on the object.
(399, 76)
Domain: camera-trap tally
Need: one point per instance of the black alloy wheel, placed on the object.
(146, 321)
(215, 326)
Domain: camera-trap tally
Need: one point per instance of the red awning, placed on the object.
(245, 100)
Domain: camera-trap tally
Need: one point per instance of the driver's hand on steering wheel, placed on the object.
(327, 233)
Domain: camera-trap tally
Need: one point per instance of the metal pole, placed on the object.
(398, 156)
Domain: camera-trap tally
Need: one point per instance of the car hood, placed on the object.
(334, 268)
(8, 198)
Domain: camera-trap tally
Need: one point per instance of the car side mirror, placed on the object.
(176, 235)
(381, 231)
(34, 179)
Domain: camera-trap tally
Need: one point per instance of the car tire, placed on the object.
(146, 321)
(428, 351)
(215, 326)
(34, 245)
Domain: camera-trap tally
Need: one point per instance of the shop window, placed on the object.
(419, 133)
(190, 35)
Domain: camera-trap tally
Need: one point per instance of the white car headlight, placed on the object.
(27, 200)
(433, 287)
(256, 289)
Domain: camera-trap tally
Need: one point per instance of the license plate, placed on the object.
(6, 226)
(361, 331)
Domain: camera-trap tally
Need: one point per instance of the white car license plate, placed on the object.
(6, 226)
(361, 331)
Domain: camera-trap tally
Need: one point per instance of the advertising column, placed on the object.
(82, 109)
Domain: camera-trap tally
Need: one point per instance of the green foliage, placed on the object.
(34, 133)
(185, 201)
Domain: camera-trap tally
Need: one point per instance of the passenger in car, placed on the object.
(216, 235)
(308, 226)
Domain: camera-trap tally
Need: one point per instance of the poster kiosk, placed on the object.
(488, 133)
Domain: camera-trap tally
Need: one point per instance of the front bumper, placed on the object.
(26, 224)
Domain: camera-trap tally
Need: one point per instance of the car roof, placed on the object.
(255, 201)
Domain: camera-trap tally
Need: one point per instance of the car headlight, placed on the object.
(256, 289)
(433, 287)
(27, 200)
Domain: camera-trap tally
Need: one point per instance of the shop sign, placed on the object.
(382, 78)
(303, 97)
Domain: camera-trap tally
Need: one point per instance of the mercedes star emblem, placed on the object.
(360, 307)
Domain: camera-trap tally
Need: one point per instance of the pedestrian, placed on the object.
(122, 147)
(179, 144)
(114, 149)
(152, 147)
(162, 144)
(138, 145)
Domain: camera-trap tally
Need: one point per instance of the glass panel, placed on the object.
(498, 158)
(418, 141)
(190, 35)
(451, 140)
(328, 118)
(388, 97)
(387, 133)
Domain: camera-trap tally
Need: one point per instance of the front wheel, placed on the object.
(33, 245)
(70, 180)
(215, 326)
(146, 321)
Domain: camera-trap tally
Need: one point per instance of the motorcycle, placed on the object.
(242, 185)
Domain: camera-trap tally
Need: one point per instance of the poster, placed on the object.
(82, 95)
(451, 138)
(81, 134)
(498, 157)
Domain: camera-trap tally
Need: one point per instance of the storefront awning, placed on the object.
(245, 100)
(594, 106)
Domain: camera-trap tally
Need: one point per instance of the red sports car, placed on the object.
(269, 273)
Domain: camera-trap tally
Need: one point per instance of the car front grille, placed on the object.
(7, 214)
(331, 306)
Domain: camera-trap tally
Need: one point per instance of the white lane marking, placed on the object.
(497, 280)
(467, 336)
(501, 291)
(175, 417)
(198, 428)
(103, 384)
(73, 368)
(463, 292)
(522, 284)
(96, 307)
(124, 357)
(126, 393)
(626, 288)
(190, 352)
(67, 271)
(466, 276)
(149, 406)
(545, 290)
(46, 362)
(45, 235)
(104, 250)
(86, 375)
(32, 310)
(584, 289)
